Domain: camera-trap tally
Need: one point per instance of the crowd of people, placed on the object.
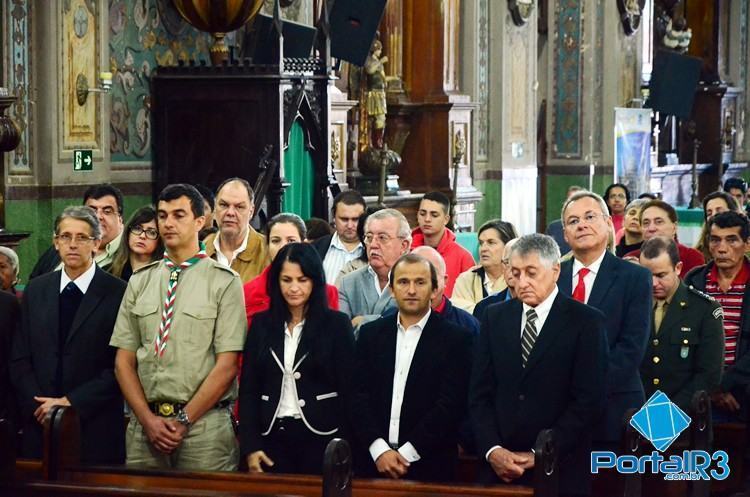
(227, 348)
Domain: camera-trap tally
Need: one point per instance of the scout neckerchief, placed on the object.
(168, 312)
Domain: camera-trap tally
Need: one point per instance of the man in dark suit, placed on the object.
(10, 316)
(622, 291)
(412, 380)
(540, 363)
(337, 249)
(61, 355)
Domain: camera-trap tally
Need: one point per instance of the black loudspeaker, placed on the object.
(673, 83)
(298, 39)
(353, 26)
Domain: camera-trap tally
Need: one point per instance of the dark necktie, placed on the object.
(528, 339)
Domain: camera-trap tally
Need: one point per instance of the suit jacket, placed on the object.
(622, 291)
(323, 370)
(88, 364)
(322, 244)
(358, 296)
(10, 317)
(562, 386)
(434, 398)
(47, 262)
(483, 304)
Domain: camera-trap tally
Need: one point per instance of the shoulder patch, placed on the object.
(718, 313)
(701, 294)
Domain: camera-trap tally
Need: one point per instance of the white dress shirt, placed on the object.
(82, 282)
(289, 400)
(376, 280)
(542, 311)
(337, 257)
(589, 279)
(221, 258)
(407, 340)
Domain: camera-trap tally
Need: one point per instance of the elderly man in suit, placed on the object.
(61, 355)
(622, 291)
(364, 293)
(411, 383)
(540, 363)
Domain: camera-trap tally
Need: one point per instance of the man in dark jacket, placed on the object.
(726, 278)
(338, 249)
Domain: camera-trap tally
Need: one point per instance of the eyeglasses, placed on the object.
(66, 238)
(587, 219)
(151, 233)
(382, 238)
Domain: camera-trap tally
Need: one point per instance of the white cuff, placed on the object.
(378, 447)
(409, 452)
(487, 455)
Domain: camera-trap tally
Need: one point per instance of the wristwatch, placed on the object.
(183, 419)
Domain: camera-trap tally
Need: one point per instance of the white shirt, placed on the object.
(337, 257)
(376, 280)
(82, 282)
(289, 400)
(589, 279)
(407, 340)
(221, 258)
(542, 311)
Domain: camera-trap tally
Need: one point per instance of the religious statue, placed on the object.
(677, 36)
(630, 14)
(375, 94)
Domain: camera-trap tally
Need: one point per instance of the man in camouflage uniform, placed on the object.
(180, 328)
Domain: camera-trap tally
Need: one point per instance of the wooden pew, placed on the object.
(61, 468)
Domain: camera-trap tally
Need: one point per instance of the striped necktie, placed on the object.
(168, 312)
(529, 336)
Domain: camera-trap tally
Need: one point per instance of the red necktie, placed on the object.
(580, 292)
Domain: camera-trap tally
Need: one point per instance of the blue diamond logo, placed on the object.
(660, 421)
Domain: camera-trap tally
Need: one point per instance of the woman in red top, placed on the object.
(617, 197)
(281, 230)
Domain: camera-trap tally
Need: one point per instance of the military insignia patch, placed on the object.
(718, 313)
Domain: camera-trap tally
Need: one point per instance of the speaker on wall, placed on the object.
(353, 27)
(298, 39)
(673, 83)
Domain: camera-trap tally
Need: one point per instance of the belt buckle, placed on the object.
(166, 409)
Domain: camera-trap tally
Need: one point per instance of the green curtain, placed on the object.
(298, 171)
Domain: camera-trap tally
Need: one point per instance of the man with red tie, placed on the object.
(622, 291)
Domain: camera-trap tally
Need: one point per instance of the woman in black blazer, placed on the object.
(297, 368)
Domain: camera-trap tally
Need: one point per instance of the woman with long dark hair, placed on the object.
(142, 245)
(299, 360)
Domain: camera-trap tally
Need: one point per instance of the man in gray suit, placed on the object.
(364, 294)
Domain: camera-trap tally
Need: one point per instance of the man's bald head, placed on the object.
(434, 258)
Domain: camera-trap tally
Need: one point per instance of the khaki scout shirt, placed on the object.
(209, 318)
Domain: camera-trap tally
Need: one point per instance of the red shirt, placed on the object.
(689, 257)
(457, 259)
(731, 304)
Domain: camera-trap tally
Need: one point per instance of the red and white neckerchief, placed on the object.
(168, 311)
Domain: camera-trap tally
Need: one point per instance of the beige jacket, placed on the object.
(468, 289)
(250, 262)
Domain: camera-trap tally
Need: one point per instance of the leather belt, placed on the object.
(169, 409)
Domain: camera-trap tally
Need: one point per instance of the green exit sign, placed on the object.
(83, 160)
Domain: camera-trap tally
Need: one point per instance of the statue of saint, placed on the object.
(375, 94)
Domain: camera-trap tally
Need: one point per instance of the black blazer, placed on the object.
(622, 291)
(324, 365)
(562, 386)
(47, 262)
(88, 364)
(322, 244)
(10, 317)
(434, 398)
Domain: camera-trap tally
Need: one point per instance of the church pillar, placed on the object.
(592, 67)
(512, 117)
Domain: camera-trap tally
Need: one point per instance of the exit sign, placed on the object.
(82, 160)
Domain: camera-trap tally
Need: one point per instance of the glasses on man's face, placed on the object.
(382, 238)
(588, 218)
(67, 238)
(151, 233)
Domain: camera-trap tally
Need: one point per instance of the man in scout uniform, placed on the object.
(686, 346)
(180, 328)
